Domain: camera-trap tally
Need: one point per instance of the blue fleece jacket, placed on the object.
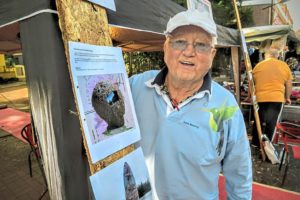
(186, 149)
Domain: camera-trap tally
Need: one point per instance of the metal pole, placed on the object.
(271, 14)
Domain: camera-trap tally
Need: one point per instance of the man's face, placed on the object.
(188, 64)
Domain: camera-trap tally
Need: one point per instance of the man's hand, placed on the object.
(288, 101)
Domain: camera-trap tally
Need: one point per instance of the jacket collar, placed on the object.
(161, 76)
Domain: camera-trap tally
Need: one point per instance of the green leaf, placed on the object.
(216, 112)
(229, 111)
(212, 123)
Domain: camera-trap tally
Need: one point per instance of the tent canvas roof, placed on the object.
(270, 32)
(135, 26)
(261, 33)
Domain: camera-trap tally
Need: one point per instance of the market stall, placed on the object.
(32, 27)
(261, 38)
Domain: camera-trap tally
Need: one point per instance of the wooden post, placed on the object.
(250, 78)
(236, 72)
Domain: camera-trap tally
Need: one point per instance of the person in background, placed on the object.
(191, 127)
(273, 87)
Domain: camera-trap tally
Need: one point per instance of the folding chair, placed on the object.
(289, 134)
(30, 137)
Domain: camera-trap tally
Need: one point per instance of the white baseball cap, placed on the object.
(202, 19)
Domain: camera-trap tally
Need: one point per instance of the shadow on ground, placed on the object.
(266, 173)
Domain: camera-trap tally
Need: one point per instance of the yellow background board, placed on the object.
(2, 60)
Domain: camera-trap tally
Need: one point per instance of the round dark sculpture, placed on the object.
(108, 103)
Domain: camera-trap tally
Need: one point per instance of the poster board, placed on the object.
(127, 178)
(110, 4)
(201, 5)
(104, 98)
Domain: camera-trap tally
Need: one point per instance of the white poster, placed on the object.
(125, 179)
(104, 98)
(110, 4)
(201, 5)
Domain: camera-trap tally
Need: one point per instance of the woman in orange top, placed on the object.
(273, 86)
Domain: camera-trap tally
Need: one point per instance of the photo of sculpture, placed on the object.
(108, 103)
(126, 179)
(131, 191)
(107, 109)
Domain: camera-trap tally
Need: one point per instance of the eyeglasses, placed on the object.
(183, 44)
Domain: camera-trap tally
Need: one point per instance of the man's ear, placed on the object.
(165, 44)
(214, 51)
(164, 49)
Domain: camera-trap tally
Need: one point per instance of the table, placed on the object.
(290, 113)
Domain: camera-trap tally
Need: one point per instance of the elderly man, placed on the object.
(191, 127)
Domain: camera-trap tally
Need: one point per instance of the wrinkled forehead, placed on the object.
(190, 29)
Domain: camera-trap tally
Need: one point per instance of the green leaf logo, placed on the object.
(229, 111)
(212, 123)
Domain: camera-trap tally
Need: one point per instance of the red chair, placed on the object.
(27, 134)
(30, 137)
(289, 134)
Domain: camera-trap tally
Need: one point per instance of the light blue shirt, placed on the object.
(186, 150)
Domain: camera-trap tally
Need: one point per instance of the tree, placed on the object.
(183, 3)
(224, 15)
(137, 62)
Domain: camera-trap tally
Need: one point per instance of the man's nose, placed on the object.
(189, 50)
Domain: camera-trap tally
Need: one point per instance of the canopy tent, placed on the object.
(271, 32)
(139, 25)
(255, 2)
(9, 39)
(14, 11)
(135, 26)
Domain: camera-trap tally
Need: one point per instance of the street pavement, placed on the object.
(15, 181)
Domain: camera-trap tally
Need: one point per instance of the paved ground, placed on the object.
(15, 95)
(15, 182)
(269, 174)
